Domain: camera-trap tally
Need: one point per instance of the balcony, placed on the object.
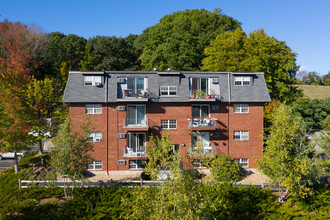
(135, 95)
(203, 97)
(207, 149)
(130, 152)
(202, 123)
(131, 124)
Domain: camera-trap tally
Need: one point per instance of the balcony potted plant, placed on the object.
(212, 96)
(192, 95)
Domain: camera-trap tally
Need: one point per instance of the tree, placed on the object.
(288, 159)
(161, 156)
(326, 79)
(234, 51)
(225, 170)
(72, 150)
(312, 111)
(110, 53)
(42, 100)
(178, 40)
(312, 78)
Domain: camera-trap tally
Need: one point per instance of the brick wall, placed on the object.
(155, 112)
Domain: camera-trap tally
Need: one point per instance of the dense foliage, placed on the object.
(225, 170)
(208, 201)
(258, 52)
(178, 40)
(288, 159)
(313, 112)
(314, 78)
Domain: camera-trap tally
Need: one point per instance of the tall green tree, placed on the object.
(72, 150)
(288, 159)
(258, 52)
(110, 53)
(179, 39)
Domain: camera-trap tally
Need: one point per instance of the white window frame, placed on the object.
(95, 137)
(197, 164)
(168, 124)
(95, 165)
(243, 161)
(200, 84)
(241, 135)
(241, 108)
(136, 112)
(136, 147)
(168, 90)
(136, 165)
(242, 80)
(93, 109)
(92, 80)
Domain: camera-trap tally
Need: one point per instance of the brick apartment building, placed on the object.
(126, 107)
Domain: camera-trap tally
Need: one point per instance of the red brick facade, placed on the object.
(110, 123)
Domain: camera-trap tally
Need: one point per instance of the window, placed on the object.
(168, 90)
(198, 164)
(92, 80)
(93, 109)
(241, 135)
(200, 84)
(95, 137)
(243, 161)
(200, 111)
(168, 124)
(202, 138)
(135, 85)
(136, 142)
(136, 114)
(242, 80)
(94, 165)
(136, 164)
(241, 108)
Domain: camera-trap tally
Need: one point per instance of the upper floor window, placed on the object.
(201, 84)
(168, 124)
(136, 114)
(95, 137)
(241, 135)
(92, 80)
(242, 80)
(93, 109)
(241, 108)
(168, 90)
(200, 111)
(135, 85)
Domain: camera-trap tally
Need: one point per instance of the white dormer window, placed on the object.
(95, 137)
(92, 80)
(167, 90)
(242, 80)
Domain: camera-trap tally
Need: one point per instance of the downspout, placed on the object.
(229, 97)
(106, 107)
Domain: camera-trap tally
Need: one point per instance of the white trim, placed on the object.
(95, 165)
(241, 108)
(241, 135)
(93, 109)
(168, 123)
(243, 161)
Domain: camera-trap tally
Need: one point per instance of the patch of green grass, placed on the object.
(315, 91)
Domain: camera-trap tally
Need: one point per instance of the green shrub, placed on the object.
(192, 174)
(145, 176)
(225, 170)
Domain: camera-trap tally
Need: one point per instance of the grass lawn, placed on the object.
(315, 91)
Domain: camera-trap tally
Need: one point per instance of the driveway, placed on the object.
(6, 163)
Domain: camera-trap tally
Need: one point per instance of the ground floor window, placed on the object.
(243, 161)
(198, 164)
(95, 165)
(136, 164)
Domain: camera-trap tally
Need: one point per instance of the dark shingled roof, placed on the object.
(77, 92)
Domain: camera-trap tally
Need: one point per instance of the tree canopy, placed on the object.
(258, 52)
(110, 53)
(178, 40)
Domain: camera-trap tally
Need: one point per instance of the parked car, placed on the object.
(10, 155)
